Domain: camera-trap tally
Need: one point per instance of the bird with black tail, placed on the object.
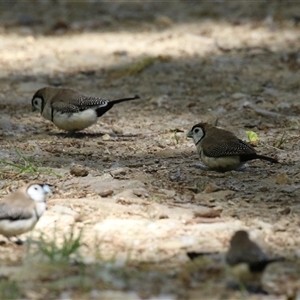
(221, 150)
(70, 110)
(246, 261)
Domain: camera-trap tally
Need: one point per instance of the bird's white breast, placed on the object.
(11, 228)
(40, 207)
(75, 121)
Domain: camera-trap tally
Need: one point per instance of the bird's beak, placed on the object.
(47, 189)
(190, 134)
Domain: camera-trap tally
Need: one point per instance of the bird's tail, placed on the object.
(277, 259)
(270, 159)
(124, 99)
(259, 266)
(103, 109)
(192, 255)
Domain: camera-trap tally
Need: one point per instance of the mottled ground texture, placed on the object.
(127, 194)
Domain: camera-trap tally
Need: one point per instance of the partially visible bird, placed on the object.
(20, 210)
(246, 260)
(69, 109)
(221, 150)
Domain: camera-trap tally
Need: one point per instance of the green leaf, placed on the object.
(252, 137)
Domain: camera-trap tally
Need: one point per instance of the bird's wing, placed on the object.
(229, 147)
(80, 103)
(65, 107)
(233, 258)
(85, 102)
(16, 213)
(253, 255)
(256, 255)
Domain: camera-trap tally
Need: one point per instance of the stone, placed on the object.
(167, 193)
(106, 193)
(211, 188)
(106, 137)
(79, 171)
(119, 171)
(125, 195)
(117, 130)
(238, 96)
(141, 192)
(282, 225)
(283, 178)
(202, 198)
(208, 213)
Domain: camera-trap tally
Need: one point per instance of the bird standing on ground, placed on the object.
(246, 260)
(20, 210)
(221, 150)
(69, 109)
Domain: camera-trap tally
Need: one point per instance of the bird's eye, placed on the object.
(35, 102)
(36, 188)
(196, 130)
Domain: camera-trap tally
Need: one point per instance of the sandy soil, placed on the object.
(144, 202)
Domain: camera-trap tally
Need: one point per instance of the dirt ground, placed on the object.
(139, 199)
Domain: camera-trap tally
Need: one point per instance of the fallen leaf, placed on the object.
(252, 137)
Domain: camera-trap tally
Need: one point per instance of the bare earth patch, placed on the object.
(128, 187)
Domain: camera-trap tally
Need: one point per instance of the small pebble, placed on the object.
(282, 178)
(119, 171)
(167, 193)
(106, 137)
(117, 130)
(140, 192)
(211, 187)
(106, 193)
(79, 171)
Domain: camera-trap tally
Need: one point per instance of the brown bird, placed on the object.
(221, 150)
(246, 260)
(69, 109)
(20, 210)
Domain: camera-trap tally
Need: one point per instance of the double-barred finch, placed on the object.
(69, 109)
(246, 260)
(221, 150)
(20, 210)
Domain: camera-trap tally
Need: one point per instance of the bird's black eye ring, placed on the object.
(196, 130)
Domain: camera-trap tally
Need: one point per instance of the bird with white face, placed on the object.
(70, 110)
(21, 210)
(221, 150)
